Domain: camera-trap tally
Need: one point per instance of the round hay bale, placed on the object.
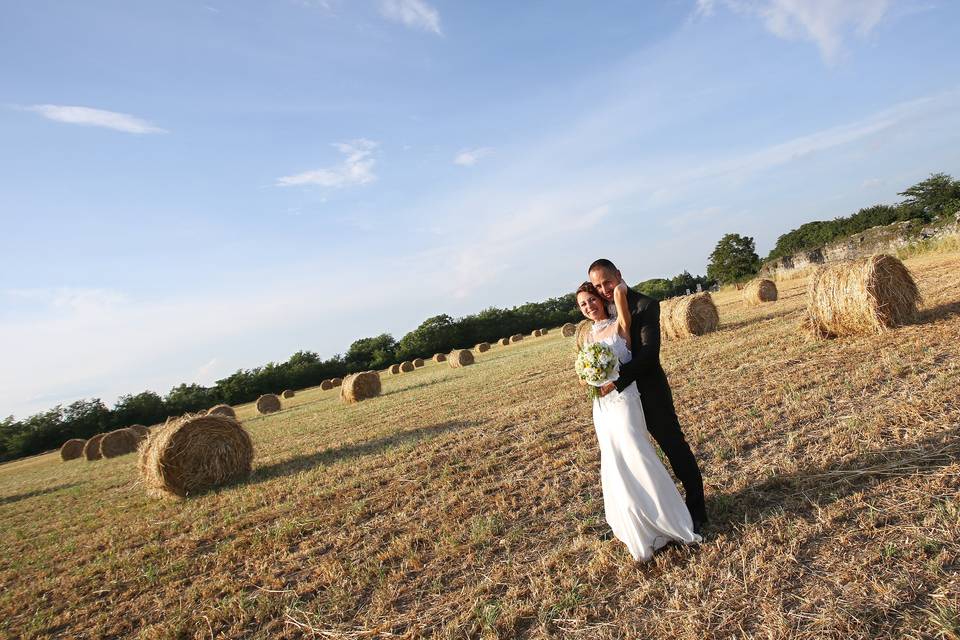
(581, 331)
(72, 449)
(568, 330)
(222, 410)
(439, 357)
(406, 366)
(360, 386)
(119, 442)
(503, 342)
(394, 370)
(140, 431)
(289, 393)
(482, 347)
(685, 316)
(326, 385)
(194, 454)
(544, 332)
(336, 381)
(268, 403)
(759, 291)
(460, 358)
(535, 333)
(91, 450)
(864, 296)
(517, 337)
(418, 362)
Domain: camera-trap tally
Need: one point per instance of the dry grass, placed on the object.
(465, 503)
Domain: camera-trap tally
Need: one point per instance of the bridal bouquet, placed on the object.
(596, 365)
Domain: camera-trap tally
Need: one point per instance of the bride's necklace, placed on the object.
(600, 325)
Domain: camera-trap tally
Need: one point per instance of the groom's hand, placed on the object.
(607, 388)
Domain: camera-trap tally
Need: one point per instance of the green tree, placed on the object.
(937, 194)
(143, 408)
(734, 258)
(371, 353)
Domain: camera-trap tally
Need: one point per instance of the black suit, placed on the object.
(644, 369)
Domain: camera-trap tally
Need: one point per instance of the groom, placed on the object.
(644, 369)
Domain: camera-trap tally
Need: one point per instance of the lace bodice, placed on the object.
(605, 331)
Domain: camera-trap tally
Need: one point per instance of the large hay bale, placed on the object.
(439, 357)
(685, 316)
(72, 449)
(268, 403)
(91, 450)
(288, 393)
(141, 431)
(581, 331)
(517, 337)
(568, 330)
(406, 366)
(418, 362)
(222, 410)
(118, 443)
(336, 381)
(326, 385)
(759, 291)
(194, 454)
(460, 358)
(864, 296)
(503, 342)
(394, 370)
(360, 386)
(482, 347)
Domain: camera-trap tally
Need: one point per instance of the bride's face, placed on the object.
(591, 306)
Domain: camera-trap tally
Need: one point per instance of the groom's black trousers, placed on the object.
(663, 425)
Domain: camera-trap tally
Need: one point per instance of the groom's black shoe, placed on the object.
(699, 523)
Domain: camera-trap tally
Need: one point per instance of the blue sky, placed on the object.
(187, 188)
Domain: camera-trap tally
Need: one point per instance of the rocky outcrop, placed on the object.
(885, 239)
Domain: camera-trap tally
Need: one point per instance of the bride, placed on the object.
(640, 500)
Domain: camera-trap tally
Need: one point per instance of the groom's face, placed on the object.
(605, 281)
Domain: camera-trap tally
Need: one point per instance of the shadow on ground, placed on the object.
(369, 447)
(33, 494)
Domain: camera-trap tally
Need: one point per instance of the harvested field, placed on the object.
(466, 503)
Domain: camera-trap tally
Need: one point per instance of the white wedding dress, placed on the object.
(640, 500)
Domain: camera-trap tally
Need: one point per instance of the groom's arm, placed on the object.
(645, 335)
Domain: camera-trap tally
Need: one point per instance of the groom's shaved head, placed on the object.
(605, 276)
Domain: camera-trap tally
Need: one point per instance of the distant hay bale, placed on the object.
(581, 331)
(141, 431)
(439, 357)
(394, 370)
(72, 449)
(336, 381)
(864, 296)
(568, 330)
(326, 385)
(194, 454)
(222, 410)
(406, 366)
(360, 386)
(517, 337)
(91, 450)
(503, 342)
(118, 443)
(685, 316)
(268, 403)
(482, 347)
(418, 362)
(289, 393)
(535, 333)
(759, 291)
(460, 358)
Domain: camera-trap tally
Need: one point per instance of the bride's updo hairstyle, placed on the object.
(587, 287)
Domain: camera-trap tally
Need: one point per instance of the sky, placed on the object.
(190, 188)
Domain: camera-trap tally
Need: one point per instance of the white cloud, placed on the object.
(470, 157)
(413, 13)
(824, 22)
(356, 168)
(95, 118)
